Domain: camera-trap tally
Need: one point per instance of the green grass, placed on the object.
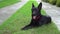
(4, 3)
(21, 18)
(52, 2)
(58, 3)
(45, 0)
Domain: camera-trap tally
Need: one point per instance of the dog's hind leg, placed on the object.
(49, 20)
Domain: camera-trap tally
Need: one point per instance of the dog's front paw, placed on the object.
(27, 27)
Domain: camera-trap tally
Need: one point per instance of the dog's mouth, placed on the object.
(34, 17)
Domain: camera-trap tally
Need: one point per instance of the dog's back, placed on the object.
(44, 20)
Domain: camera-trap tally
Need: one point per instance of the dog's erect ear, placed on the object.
(40, 6)
(33, 5)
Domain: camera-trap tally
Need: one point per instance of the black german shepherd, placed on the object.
(37, 18)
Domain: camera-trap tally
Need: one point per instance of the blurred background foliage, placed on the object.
(53, 2)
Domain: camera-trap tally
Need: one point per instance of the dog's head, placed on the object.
(36, 10)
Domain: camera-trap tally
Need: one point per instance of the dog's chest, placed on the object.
(36, 18)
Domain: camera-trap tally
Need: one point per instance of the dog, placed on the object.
(37, 18)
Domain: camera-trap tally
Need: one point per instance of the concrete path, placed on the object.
(6, 12)
(53, 11)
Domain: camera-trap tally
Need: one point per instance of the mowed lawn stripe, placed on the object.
(4, 3)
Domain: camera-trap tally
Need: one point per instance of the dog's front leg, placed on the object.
(29, 26)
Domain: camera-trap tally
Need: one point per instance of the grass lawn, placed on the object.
(23, 17)
(4, 3)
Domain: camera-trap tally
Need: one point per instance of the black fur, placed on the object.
(39, 19)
